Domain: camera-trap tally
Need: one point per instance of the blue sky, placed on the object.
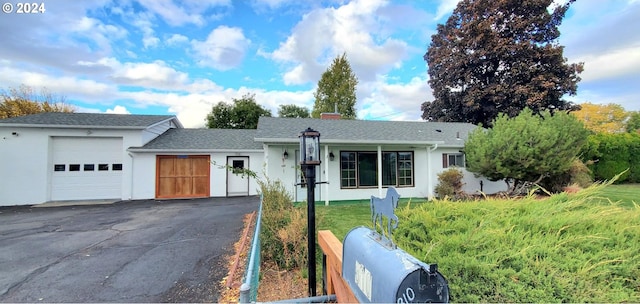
(182, 57)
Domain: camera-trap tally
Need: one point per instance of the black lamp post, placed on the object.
(309, 159)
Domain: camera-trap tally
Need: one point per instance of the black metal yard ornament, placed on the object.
(309, 159)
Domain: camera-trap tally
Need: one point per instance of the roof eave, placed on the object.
(359, 142)
(173, 118)
(142, 150)
(23, 125)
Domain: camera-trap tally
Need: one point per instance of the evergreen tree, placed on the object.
(525, 148)
(336, 86)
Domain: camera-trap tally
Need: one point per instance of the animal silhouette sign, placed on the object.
(382, 208)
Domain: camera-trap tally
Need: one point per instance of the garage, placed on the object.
(182, 176)
(86, 168)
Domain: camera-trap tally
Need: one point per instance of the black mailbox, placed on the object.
(380, 272)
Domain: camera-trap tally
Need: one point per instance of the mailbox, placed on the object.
(378, 271)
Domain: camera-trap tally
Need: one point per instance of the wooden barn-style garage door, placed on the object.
(182, 176)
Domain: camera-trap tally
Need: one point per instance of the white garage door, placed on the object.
(86, 168)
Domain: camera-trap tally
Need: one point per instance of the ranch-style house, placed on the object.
(85, 156)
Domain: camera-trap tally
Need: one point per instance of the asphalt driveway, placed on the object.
(139, 251)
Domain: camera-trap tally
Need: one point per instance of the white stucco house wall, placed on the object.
(361, 158)
(84, 156)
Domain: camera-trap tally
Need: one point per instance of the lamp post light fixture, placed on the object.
(309, 159)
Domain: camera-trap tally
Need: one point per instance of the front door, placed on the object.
(237, 184)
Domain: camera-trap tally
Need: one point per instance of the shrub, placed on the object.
(526, 148)
(449, 183)
(611, 154)
(284, 231)
(566, 248)
(577, 175)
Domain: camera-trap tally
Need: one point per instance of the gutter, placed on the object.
(142, 150)
(349, 141)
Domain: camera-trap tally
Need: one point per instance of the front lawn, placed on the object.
(568, 248)
(627, 194)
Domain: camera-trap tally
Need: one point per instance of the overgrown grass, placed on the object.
(569, 248)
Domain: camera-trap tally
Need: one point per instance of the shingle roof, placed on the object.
(202, 139)
(275, 129)
(86, 120)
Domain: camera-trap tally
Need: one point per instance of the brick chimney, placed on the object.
(333, 116)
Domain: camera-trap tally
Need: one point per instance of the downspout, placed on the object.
(379, 171)
(430, 171)
(325, 187)
(131, 177)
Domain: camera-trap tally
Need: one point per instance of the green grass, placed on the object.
(627, 194)
(567, 248)
(341, 218)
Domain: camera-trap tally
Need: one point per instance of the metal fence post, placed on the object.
(244, 293)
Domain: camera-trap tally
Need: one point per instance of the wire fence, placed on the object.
(249, 288)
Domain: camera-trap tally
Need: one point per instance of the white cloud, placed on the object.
(70, 87)
(325, 33)
(156, 74)
(444, 8)
(118, 110)
(145, 21)
(176, 39)
(187, 12)
(393, 101)
(223, 49)
(150, 41)
(613, 64)
(170, 12)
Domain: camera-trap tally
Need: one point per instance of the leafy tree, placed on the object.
(496, 57)
(525, 148)
(336, 86)
(293, 111)
(242, 114)
(633, 124)
(598, 118)
(25, 100)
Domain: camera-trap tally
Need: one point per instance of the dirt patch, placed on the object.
(275, 284)
(279, 284)
(230, 292)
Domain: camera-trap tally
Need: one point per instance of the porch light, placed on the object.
(332, 156)
(309, 147)
(309, 159)
(285, 155)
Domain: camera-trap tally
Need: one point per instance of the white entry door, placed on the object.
(237, 184)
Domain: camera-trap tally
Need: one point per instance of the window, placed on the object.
(367, 174)
(74, 167)
(237, 166)
(360, 169)
(116, 167)
(89, 167)
(405, 169)
(59, 167)
(103, 167)
(348, 170)
(453, 160)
